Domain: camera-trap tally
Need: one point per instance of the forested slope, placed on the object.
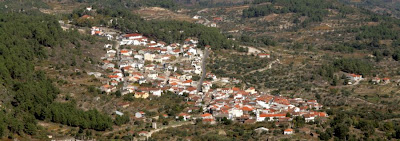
(168, 31)
(23, 39)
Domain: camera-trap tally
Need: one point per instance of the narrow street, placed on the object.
(203, 70)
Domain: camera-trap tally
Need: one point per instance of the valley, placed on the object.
(133, 70)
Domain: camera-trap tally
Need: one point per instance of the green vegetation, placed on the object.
(158, 3)
(381, 31)
(23, 39)
(131, 4)
(388, 8)
(357, 66)
(379, 38)
(119, 120)
(21, 5)
(316, 10)
(353, 66)
(211, 132)
(168, 31)
(262, 41)
(235, 65)
(365, 120)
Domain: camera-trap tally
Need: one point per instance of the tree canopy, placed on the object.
(23, 38)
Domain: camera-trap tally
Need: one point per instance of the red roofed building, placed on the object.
(312, 115)
(187, 82)
(235, 89)
(191, 89)
(263, 55)
(208, 118)
(107, 88)
(152, 45)
(283, 101)
(217, 19)
(247, 108)
(386, 80)
(126, 52)
(87, 17)
(355, 77)
(115, 77)
(288, 131)
(133, 36)
(376, 80)
(270, 117)
(184, 116)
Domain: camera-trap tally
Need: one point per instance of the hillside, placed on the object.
(30, 92)
(390, 7)
(128, 69)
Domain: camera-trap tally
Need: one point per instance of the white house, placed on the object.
(288, 131)
(95, 31)
(193, 51)
(89, 8)
(234, 113)
(138, 56)
(196, 17)
(111, 51)
(119, 113)
(108, 46)
(106, 88)
(270, 117)
(109, 37)
(149, 67)
(264, 55)
(126, 52)
(133, 36)
(152, 76)
(139, 114)
(261, 129)
(156, 92)
(149, 57)
(187, 83)
(355, 77)
(213, 24)
(184, 115)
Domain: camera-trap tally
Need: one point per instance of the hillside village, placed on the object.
(201, 70)
(146, 68)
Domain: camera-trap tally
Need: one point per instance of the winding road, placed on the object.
(269, 66)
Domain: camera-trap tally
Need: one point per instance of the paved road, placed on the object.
(203, 70)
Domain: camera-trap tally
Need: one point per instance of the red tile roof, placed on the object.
(133, 35)
(289, 130)
(272, 115)
(206, 115)
(86, 16)
(191, 89)
(245, 108)
(113, 76)
(124, 51)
